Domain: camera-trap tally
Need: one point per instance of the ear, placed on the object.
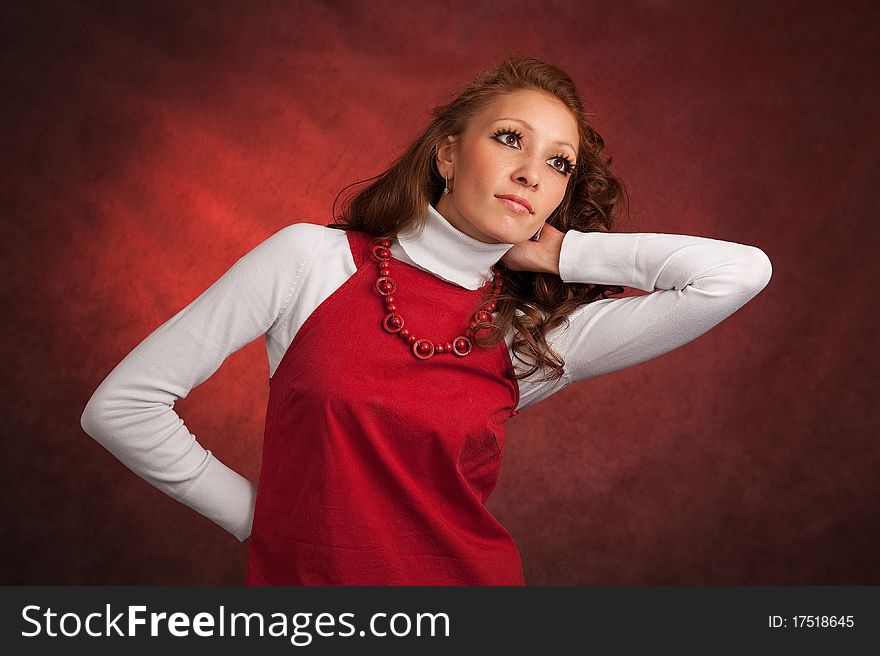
(446, 155)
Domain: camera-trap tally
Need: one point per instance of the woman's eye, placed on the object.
(508, 139)
(560, 164)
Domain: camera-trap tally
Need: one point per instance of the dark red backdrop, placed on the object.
(147, 146)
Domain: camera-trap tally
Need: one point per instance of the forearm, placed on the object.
(153, 442)
(654, 261)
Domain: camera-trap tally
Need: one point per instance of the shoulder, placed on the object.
(299, 242)
(297, 237)
(304, 235)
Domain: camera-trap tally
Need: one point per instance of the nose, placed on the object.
(528, 172)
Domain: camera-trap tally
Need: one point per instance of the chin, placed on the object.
(512, 234)
(504, 237)
(517, 235)
(520, 239)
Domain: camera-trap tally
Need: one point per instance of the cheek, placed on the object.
(483, 168)
(559, 189)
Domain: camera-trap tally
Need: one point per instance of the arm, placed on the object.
(131, 413)
(696, 283)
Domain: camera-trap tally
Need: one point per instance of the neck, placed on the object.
(434, 244)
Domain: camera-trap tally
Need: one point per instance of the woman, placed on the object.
(465, 283)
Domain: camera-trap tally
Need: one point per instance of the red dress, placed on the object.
(376, 464)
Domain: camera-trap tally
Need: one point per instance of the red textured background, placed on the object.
(146, 146)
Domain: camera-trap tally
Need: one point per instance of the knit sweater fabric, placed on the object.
(694, 283)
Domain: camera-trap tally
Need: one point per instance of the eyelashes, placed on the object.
(513, 132)
(510, 131)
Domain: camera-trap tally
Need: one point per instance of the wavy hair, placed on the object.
(532, 304)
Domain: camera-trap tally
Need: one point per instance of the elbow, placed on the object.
(756, 271)
(92, 419)
(97, 418)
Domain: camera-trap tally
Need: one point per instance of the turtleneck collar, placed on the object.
(448, 253)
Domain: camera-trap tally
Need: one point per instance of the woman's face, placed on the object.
(522, 144)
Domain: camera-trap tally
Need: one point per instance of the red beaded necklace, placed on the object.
(393, 323)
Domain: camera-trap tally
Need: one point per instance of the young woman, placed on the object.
(465, 283)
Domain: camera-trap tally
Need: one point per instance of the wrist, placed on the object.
(554, 251)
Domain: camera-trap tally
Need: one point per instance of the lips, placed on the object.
(519, 200)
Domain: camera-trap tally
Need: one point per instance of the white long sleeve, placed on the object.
(131, 413)
(696, 282)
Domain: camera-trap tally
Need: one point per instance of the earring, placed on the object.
(446, 189)
(537, 235)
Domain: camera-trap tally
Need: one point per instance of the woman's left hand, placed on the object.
(541, 256)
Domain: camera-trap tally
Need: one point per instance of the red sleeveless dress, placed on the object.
(376, 464)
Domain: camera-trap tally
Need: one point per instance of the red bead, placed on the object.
(381, 253)
(448, 346)
(386, 243)
(384, 272)
(472, 325)
(389, 299)
(411, 339)
(385, 286)
(423, 349)
(404, 333)
(390, 307)
(392, 322)
(461, 346)
(439, 348)
(491, 307)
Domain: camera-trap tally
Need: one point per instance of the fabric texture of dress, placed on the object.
(376, 464)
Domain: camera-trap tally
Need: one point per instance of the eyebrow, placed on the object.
(519, 120)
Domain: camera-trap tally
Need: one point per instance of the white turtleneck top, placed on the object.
(696, 282)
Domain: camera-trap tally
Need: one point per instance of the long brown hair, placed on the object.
(531, 303)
